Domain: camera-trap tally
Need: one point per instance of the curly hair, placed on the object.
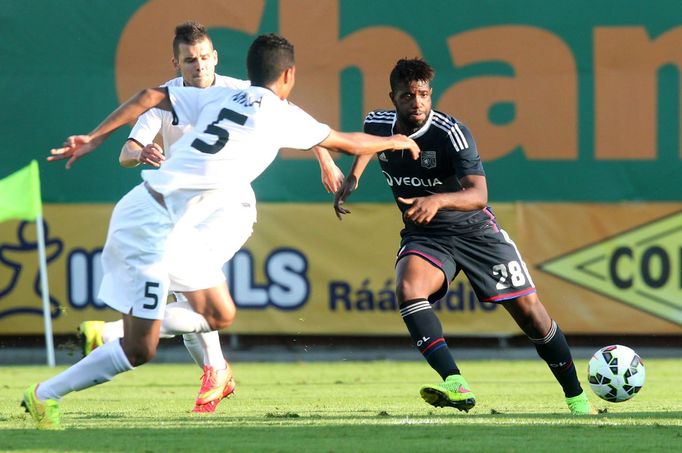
(410, 70)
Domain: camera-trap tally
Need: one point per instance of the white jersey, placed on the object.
(151, 122)
(236, 135)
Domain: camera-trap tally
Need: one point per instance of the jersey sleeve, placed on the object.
(466, 160)
(300, 130)
(146, 127)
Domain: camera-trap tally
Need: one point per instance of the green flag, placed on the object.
(20, 194)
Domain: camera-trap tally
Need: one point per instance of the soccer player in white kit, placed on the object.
(177, 228)
(195, 60)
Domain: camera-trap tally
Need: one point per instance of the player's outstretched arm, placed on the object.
(77, 146)
(359, 143)
(331, 174)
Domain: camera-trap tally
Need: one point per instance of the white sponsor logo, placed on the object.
(411, 181)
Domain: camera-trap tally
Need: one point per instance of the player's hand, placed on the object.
(421, 209)
(403, 142)
(348, 186)
(332, 177)
(152, 154)
(73, 148)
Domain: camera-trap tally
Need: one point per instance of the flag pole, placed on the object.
(47, 316)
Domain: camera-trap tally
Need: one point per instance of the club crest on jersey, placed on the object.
(428, 159)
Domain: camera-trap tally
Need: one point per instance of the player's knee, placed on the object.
(222, 320)
(534, 319)
(407, 290)
(139, 354)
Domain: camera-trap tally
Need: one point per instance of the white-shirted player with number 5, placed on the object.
(198, 206)
(195, 60)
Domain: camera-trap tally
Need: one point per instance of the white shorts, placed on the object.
(151, 250)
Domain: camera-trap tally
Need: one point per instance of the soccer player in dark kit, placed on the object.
(449, 228)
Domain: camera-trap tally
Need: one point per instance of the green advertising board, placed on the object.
(568, 101)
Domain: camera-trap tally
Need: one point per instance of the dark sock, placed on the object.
(427, 334)
(554, 350)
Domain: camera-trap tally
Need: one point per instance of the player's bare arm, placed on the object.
(77, 146)
(474, 196)
(331, 174)
(134, 154)
(359, 143)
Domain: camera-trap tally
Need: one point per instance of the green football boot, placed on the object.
(44, 413)
(90, 335)
(580, 405)
(453, 392)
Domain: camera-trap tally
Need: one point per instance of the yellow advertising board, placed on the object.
(611, 268)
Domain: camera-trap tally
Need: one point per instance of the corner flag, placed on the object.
(20, 199)
(20, 194)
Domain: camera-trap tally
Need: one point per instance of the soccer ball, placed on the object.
(616, 373)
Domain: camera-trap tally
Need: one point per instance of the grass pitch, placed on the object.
(345, 407)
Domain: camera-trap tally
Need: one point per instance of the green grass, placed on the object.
(345, 407)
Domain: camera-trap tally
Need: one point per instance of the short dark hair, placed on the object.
(411, 70)
(189, 33)
(268, 57)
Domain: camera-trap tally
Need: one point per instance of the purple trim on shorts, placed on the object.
(487, 212)
(508, 296)
(422, 254)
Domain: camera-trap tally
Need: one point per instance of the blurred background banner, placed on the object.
(603, 268)
(575, 108)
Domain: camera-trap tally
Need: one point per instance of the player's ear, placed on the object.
(175, 63)
(289, 74)
(215, 56)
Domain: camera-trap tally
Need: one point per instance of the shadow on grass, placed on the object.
(288, 432)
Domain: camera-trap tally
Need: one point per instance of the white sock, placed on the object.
(205, 349)
(112, 331)
(195, 347)
(100, 366)
(213, 352)
(180, 318)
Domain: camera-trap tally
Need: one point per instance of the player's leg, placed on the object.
(497, 273)
(549, 341)
(204, 347)
(199, 251)
(199, 330)
(201, 346)
(419, 280)
(214, 309)
(137, 347)
(134, 282)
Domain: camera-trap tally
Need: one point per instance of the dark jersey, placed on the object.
(448, 152)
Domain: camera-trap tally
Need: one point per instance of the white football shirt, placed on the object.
(154, 121)
(236, 135)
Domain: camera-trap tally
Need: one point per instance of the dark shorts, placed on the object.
(489, 259)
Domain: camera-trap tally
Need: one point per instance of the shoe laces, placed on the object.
(456, 384)
(209, 378)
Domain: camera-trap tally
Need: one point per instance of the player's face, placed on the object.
(412, 103)
(196, 63)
